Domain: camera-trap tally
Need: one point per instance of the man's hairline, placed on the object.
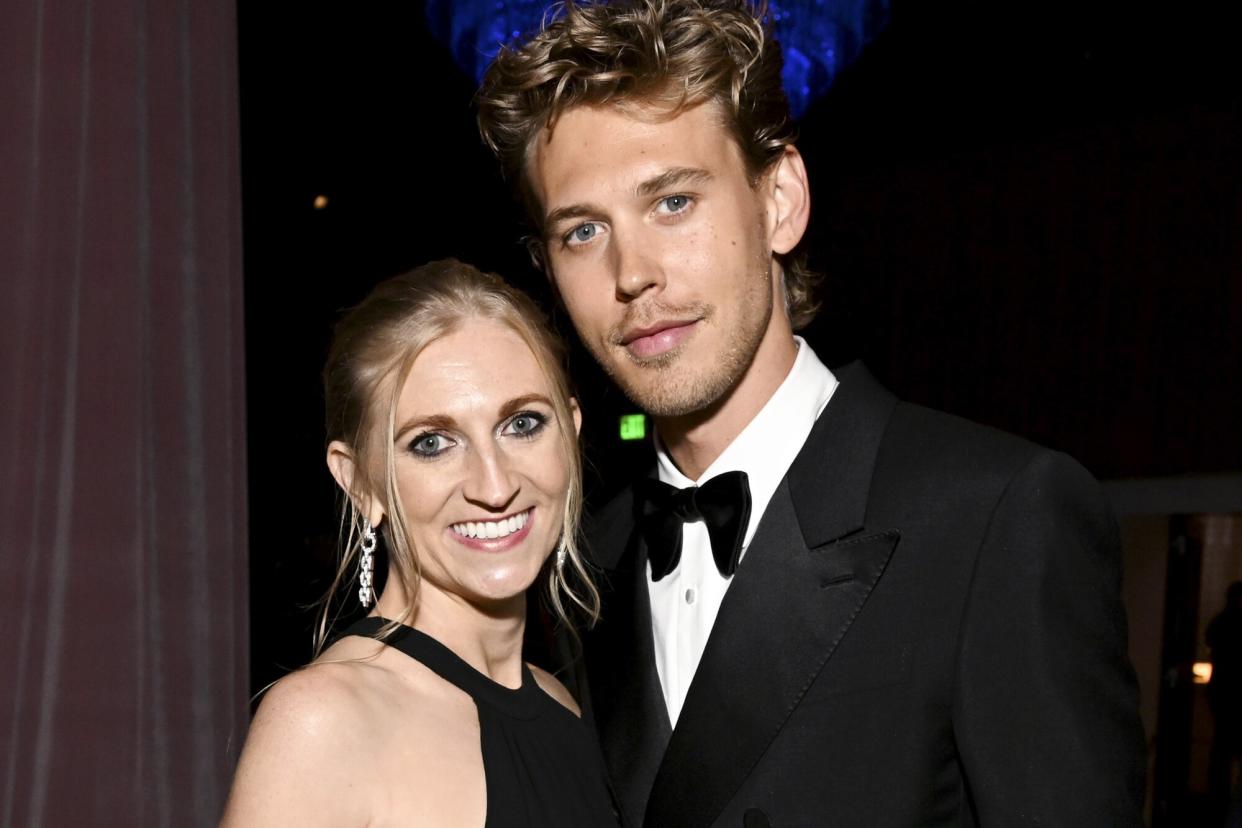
(526, 170)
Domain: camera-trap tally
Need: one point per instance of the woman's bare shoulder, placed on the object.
(553, 687)
(356, 694)
(361, 735)
(298, 766)
(321, 701)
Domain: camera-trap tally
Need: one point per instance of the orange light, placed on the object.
(321, 201)
(1202, 671)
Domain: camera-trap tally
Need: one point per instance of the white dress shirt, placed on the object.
(684, 603)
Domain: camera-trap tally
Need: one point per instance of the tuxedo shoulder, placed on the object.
(917, 424)
(943, 446)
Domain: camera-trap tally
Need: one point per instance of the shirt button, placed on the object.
(690, 596)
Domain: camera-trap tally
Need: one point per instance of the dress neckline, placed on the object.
(524, 702)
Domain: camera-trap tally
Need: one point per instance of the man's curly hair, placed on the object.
(662, 54)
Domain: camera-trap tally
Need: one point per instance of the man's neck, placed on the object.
(695, 440)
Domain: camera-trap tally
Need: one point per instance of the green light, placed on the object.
(633, 426)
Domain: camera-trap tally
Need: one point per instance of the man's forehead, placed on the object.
(637, 112)
(590, 139)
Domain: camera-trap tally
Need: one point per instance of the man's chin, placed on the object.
(670, 397)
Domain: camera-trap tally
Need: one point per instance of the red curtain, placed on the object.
(123, 503)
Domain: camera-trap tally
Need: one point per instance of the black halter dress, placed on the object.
(542, 763)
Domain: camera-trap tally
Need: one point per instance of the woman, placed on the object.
(452, 435)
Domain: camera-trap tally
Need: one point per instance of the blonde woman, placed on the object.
(453, 436)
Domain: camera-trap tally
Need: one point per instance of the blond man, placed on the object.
(826, 606)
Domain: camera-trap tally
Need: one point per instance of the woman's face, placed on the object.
(480, 464)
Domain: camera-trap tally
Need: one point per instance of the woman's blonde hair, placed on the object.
(666, 55)
(373, 348)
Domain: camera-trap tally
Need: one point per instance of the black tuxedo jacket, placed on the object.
(925, 630)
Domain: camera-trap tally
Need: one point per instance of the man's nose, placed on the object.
(491, 480)
(636, 266)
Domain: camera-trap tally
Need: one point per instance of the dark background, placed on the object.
(1027, 214)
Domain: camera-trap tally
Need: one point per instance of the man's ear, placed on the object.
(577, 411)
(789, 200)
(341, 464)
(538, 253)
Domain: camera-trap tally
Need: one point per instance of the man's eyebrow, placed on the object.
(667, 180)
(571, 211)
(672, 179)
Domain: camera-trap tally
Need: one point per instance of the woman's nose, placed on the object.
(491, 481)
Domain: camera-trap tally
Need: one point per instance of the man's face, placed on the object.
(660, 248)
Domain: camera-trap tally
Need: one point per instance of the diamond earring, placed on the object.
(366, 564)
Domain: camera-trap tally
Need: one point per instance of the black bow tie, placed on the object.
(722, 503)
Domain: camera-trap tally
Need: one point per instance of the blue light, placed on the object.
(819, 37)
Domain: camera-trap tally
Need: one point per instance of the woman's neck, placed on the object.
(488, 638)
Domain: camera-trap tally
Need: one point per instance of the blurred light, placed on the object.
(633, 426)
(1202, 671)
(819, 38)
(321, 201)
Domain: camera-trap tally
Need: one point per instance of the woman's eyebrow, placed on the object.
(518, 403)
(435, 421)
(444, 421)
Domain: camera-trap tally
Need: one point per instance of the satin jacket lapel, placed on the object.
(830, 480)
(806, 575)
(781, 620)
(626, 699)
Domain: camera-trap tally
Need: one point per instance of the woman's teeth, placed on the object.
(492, 528)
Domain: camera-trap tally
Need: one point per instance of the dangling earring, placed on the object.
(366, 564)
(560, 555)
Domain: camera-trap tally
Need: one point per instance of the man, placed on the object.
(868, 613)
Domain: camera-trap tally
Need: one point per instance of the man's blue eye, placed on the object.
(584, 232)
(676, 203)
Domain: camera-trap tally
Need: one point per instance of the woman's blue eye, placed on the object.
(527, 424)
(429, 445)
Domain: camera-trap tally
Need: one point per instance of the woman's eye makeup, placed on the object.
(526, 423)
(429, 444)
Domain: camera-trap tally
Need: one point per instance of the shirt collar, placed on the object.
(767, 446)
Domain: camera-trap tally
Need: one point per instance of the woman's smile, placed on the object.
(494, 535)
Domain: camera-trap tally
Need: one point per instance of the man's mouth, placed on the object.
(659, 338)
